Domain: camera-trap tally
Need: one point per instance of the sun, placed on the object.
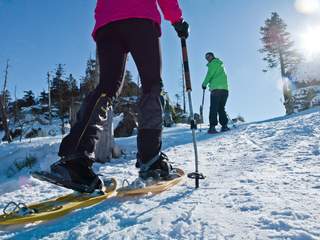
(311, 41)
(307, 6)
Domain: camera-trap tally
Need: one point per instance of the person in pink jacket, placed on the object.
(122, 27)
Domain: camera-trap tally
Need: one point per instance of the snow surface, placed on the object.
(263, 182)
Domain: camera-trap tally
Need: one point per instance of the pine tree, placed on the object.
(16, 110)
(61, 94)
(279, 52)
(129, 87)
(88, 82)
(57, 84)
(44, 98)
(28, 98)
(74, 94)
(128, 76)
(73, 88)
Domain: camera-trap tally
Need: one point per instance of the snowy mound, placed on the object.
(263, 182)
(306, 97)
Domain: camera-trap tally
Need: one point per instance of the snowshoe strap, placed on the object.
(93, 186)
(146, 166)
(19, 209)
(75, 156)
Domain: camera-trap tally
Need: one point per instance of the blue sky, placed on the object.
(36, 35)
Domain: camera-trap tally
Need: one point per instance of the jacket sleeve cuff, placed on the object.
(176, 21)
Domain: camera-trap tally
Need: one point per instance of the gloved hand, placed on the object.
(204, 87)
(182, 29)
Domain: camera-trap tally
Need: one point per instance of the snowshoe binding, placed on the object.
(157, 168)
(72, 173)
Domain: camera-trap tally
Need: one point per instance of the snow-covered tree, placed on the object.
(279, 52)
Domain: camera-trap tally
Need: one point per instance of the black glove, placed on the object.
(204, 87)
(182, 29)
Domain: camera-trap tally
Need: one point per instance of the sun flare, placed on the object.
(307, 6)
(311, 41)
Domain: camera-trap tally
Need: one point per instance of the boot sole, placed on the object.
(51, 178)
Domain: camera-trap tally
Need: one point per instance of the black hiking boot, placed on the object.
(224, 128)
(74, 173)
(212, 130)
(157, 168)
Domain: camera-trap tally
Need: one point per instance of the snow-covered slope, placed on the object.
(263, 182)
(306, 97)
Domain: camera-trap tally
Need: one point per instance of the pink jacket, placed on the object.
(112, 10)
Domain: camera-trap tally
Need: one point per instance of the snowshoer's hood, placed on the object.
(215, 60)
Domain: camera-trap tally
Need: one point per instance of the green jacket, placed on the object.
(216, 77)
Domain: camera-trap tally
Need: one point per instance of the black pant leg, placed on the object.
(223, 118)
(85, 133)
(112, 54)
(214, 106)
(144, 45)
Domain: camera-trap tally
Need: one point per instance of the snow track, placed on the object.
(263, 182)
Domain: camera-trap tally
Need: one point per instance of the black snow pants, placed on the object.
(218, 100)
(140, 37)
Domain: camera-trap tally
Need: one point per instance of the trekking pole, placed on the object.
(201, 109)
(195, 175)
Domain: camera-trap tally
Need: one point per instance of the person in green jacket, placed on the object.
(217, 81)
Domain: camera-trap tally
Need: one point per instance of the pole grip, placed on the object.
(186, 64)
